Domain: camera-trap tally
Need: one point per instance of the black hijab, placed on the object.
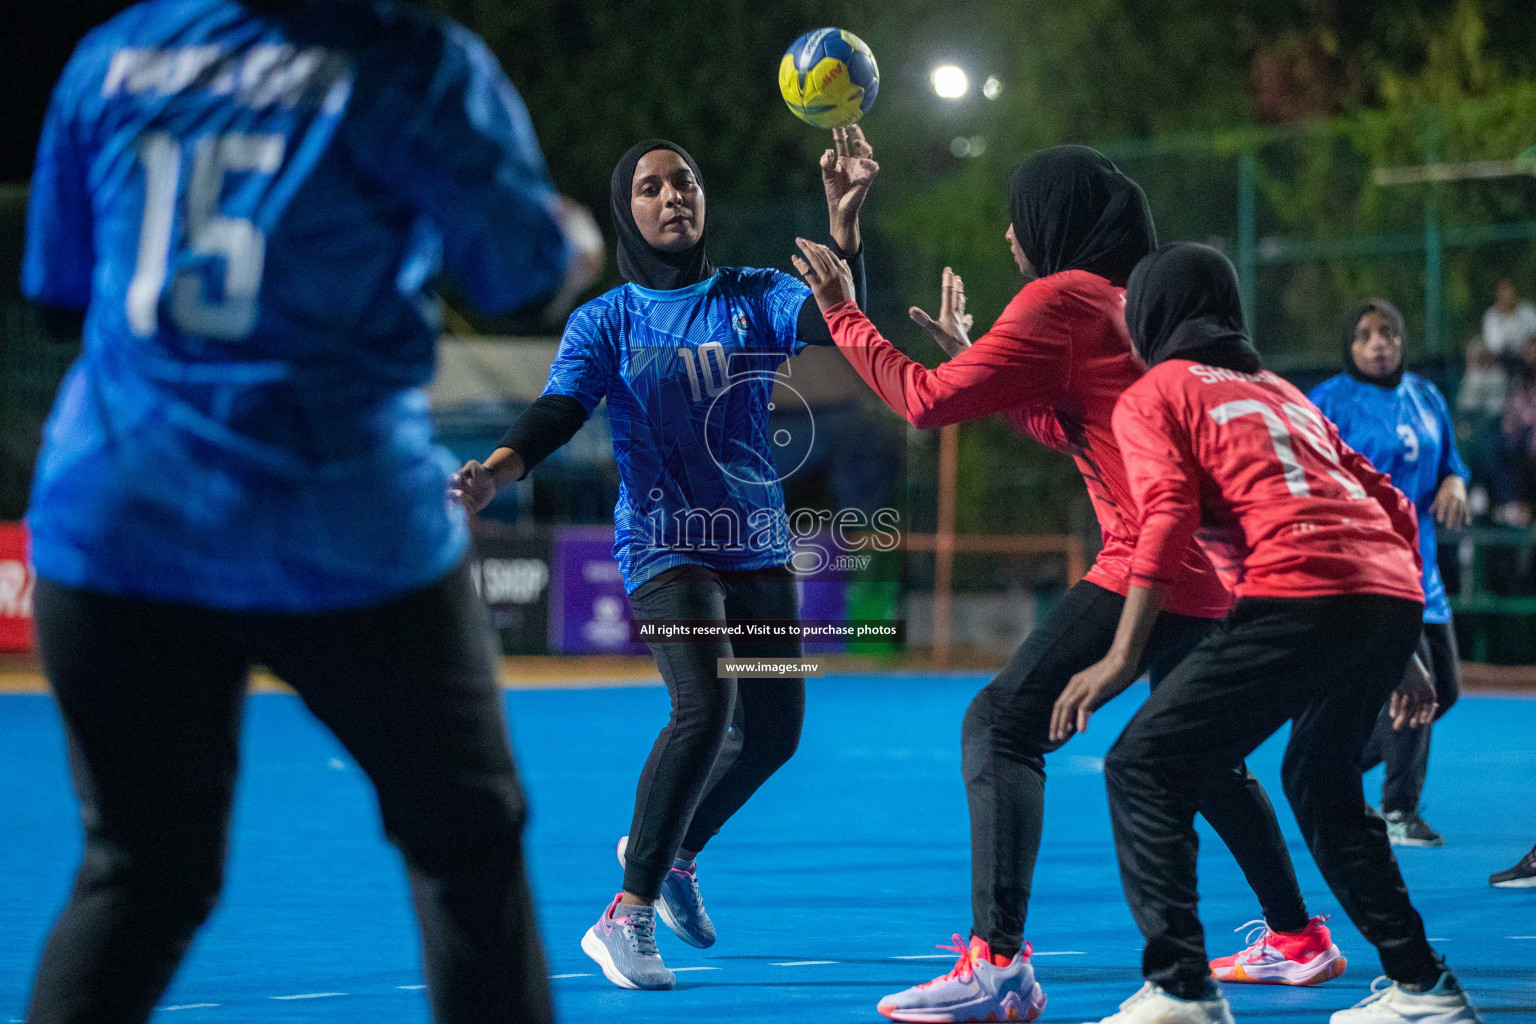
(1182, 303)
(1390, 381)
(1074, 210)
(639, 261)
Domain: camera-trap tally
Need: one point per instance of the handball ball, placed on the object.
(829, 78)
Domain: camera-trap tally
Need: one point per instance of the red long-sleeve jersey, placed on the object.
(1246, 464)
(1054, 362)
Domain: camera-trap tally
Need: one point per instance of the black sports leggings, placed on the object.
(151, 695)
(1004, 742)
(699, 774)
(1406, 751)
(1326, 665)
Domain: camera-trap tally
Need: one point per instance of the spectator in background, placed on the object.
(1479, 418)
(1512, 482)
(1508, 323)
(1484, 388)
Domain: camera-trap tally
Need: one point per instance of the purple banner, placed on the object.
(824, 596)
(588, 610)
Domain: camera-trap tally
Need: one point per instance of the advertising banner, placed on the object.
(16, 579)
(588, 611)
(512, 575)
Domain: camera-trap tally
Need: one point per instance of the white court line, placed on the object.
(557, 977)
(311, 995)
(805, 963)
(410, 988)
(189, 1006)
(926, 956)
(675, 970)
(1523, 936)
(1060, 952)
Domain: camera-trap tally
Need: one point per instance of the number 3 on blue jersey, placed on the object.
(205, 233)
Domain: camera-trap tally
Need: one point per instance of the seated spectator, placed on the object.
(1507, 324)
(1514, 472)
(1484, 387)
(1479, 419)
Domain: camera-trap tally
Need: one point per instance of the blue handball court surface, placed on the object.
(829, 890)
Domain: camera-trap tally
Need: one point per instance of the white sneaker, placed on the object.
(1446, 1003)
(1152, 1005)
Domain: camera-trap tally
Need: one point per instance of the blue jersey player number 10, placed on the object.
(709, 376)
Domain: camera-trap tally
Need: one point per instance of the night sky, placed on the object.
(45, 34)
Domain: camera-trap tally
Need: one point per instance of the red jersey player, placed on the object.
(1055, 361)
(1323, 558)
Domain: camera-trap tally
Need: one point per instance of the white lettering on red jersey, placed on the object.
(1244, 463)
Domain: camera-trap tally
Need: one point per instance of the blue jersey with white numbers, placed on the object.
(688, 375)
(1407, 434)
(252, 210)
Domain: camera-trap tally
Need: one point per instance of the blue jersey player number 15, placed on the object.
(253, 213)
(207, 232)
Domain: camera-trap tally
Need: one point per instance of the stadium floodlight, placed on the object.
(950, 82)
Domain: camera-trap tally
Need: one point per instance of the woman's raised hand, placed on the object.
(952, 329)
(829, 277)
(847, 171)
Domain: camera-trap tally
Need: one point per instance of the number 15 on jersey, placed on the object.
(206, 234)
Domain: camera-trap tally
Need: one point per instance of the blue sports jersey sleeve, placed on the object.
(456, 138)
(782, 297)
(1322, 397)
(1450, 459)
(584, 362)
(56, 268)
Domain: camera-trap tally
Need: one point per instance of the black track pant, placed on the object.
(1004, 741)
(151, 694)
(725, 736)
(1327, 665)
(1406, 751)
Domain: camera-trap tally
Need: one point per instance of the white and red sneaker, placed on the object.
(980, 987)
(1307, 957)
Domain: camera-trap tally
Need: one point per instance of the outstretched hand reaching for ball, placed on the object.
(829, 277)
(952, 329)
(847, 171)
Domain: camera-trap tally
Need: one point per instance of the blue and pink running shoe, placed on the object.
(681, 906)
(623, 943)
(1307, 957)
(980, 987)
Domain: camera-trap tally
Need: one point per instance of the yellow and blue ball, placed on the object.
(829, 78)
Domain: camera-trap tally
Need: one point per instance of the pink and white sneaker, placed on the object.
(980, 987)
(1307, 957)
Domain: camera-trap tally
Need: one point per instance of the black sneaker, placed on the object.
(1521, 876)
(1406, 828)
